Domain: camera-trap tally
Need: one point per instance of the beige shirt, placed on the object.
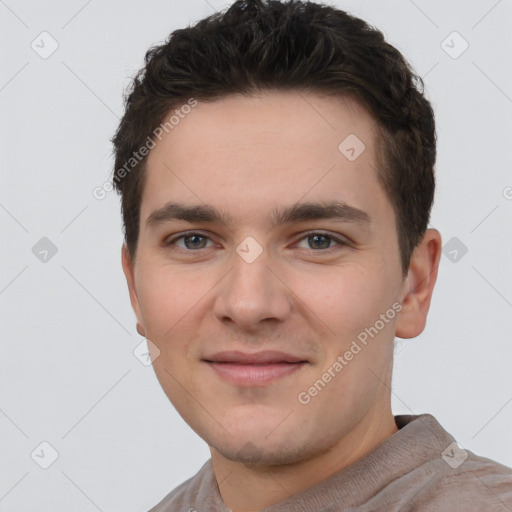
(420, 468)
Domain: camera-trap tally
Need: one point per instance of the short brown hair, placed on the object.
(287, 45)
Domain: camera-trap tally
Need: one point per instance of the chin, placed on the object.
(273, 450)
(252, 454)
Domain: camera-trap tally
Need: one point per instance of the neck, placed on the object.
(249, 488)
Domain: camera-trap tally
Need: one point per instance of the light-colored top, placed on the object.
(420, 468)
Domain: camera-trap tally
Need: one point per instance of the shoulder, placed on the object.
(176, 498)
(437, 474)
(196, 490)
(477, 484)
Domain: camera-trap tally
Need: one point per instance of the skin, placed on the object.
(246, 156)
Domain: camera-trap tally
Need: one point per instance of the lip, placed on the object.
(256, 369)
(264, 357)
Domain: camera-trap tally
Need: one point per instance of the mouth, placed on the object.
(257, 369)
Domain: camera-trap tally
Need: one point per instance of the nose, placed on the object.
(252, 294)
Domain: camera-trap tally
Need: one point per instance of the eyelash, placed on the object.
(339, 241)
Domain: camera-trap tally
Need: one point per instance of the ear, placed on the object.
(419, 285)
(128, 269)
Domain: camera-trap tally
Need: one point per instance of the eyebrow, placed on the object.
(298, 212)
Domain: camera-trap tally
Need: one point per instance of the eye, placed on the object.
(318, 240)
(191, 241)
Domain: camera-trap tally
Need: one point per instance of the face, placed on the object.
(252, 275)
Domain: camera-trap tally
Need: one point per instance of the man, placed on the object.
(276, 167)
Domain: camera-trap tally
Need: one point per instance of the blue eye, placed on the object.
(320, 239)
(196, 241)
(193, 241)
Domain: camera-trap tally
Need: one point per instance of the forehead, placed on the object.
(248, 154)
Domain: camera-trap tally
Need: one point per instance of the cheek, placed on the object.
(174, 303)
(346, 298)
(164, 297)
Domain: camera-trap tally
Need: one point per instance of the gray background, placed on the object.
(68, 375)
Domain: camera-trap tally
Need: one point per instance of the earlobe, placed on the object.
(418, 287)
